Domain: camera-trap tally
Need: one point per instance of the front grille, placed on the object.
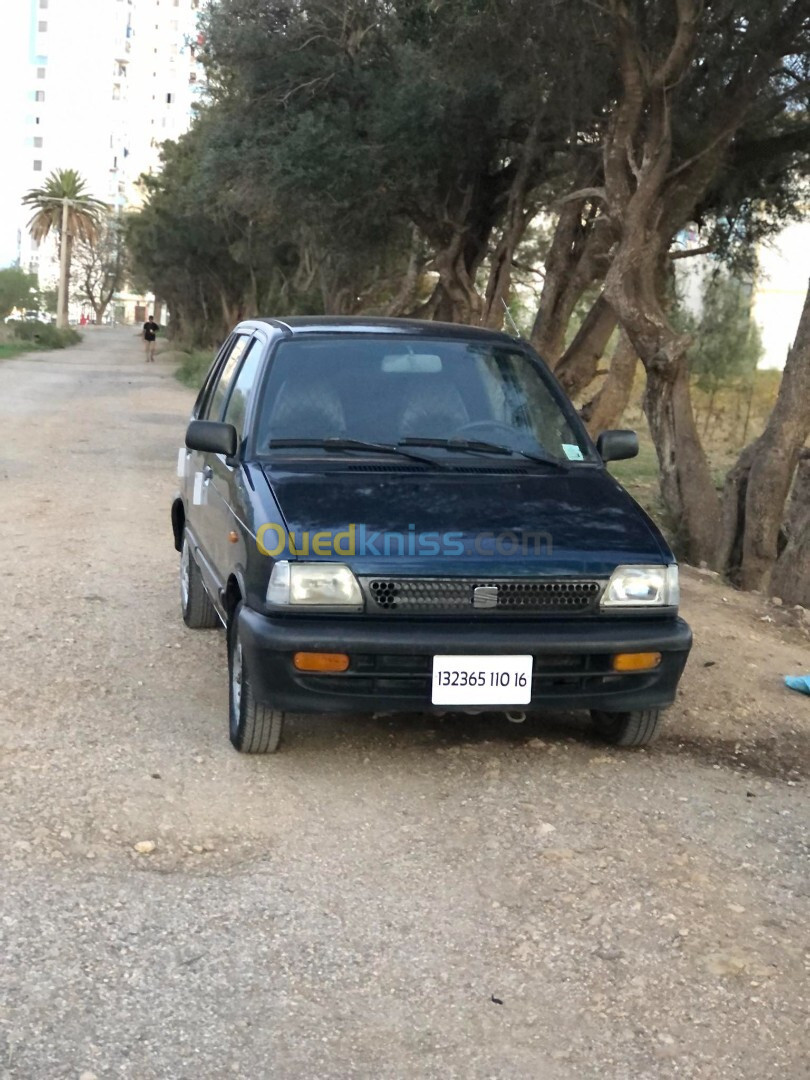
(442, 596)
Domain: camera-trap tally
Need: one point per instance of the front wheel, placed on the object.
(638, 728)
(254, 729)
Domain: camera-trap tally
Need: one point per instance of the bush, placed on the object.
(45, 335)
(194, 366)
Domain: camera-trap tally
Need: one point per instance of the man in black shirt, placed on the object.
(150, 329)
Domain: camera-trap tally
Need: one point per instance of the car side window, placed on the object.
(216, 401)
(204, 396)
(236, 409)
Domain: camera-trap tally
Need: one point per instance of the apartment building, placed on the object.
(107, 81)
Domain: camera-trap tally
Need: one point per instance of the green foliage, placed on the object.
(48, 202)
(351, 147)
(16, 290)
(726, 345)
(47, 300)
(45, 335)
(347, 144)
(193, 368)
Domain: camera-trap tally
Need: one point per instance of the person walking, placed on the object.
(150, 331)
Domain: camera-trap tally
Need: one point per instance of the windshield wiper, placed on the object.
(338, 443)
(480, 447)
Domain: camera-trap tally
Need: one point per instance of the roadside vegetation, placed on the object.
(194, 363)
(441, 161)
(17, 338)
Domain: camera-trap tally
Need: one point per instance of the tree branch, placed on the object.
(688, 253)
(672, 69)
(583, 193)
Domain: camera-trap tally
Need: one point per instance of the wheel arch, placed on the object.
(178, 522)
(232, 594)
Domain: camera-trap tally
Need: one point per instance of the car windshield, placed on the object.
(400, 391)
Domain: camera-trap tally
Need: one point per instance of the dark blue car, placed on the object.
(388, 515)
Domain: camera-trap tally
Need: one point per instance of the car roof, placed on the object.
(333, 324)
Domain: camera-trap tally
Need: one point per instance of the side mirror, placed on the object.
(211, 437)
(617, 445)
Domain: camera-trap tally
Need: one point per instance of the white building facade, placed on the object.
(107, 82)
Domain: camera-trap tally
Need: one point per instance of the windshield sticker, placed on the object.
(572, 452)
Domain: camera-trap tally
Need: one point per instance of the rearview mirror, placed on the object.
(412, 363)
(211, 437)
(617, 445)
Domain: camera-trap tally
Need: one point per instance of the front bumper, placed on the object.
(391, 660)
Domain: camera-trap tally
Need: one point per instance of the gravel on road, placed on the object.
(422, 897)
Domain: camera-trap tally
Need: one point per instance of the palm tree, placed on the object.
(63, 205)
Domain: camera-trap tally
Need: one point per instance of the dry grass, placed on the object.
(723, 432)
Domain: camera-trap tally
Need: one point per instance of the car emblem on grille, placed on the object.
(485, 596)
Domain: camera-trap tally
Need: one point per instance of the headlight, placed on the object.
(313, 584)
(642, 586)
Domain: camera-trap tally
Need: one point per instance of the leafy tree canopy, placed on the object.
(726, 342)
(17, 290)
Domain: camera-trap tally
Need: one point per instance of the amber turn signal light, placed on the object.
(636, 661)
(320, 661)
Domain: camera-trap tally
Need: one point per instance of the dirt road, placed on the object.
(456, 899)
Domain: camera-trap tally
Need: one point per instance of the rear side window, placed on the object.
(216, 402)
(236, 409)
(204, 396)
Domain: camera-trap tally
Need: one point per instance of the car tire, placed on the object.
(198, 611)
(638, 728)
(254, 728)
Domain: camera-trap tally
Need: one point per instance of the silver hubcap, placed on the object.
(185, 570)
(236, 678)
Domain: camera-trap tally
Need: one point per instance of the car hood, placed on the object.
(576, 522)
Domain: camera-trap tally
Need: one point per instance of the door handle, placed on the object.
(207, 472)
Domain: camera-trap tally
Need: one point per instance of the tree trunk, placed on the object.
(634, 286)
(203, 304)
(460, 302)
(500, 276)
(557, 299)
(230, 312)
(516, 219)
(791, 575)
(576, 260)
(729, 552)
(799, 499)
(605, 411)
(775, 461)
(428, 308)
(461, 241)
(577, 368)
(409, 286)
(686, 483)
(65, 258)
(64, 268)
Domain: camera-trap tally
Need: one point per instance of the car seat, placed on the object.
(309, 410)
(434, 409)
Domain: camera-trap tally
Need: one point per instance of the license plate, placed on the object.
(482, 680)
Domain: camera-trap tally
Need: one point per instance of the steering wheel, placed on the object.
(483, 425)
